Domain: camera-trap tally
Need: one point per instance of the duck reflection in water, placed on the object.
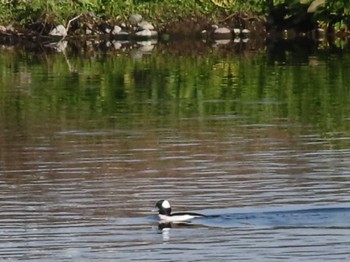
(165, 227)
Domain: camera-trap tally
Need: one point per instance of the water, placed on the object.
(260, 147)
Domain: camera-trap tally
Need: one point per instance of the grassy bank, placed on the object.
(30, 11)
(300, 15)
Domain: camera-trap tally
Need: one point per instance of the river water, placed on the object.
(259, 144)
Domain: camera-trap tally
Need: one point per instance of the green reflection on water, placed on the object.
(54, 89)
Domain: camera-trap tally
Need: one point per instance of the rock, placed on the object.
(245, 32)
(144, 25)
(59, 30)
(222, 33)
(146, 34)
(236, 32)
(2, 28)
(222, 30)
(107, 30)
(116, 30)
(134, 19)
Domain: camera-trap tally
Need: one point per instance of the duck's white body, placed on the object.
(177, 217)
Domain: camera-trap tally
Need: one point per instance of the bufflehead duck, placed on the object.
(165, 214)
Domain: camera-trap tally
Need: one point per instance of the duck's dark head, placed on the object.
(164, 207)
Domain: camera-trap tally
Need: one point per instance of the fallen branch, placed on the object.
(68, 24)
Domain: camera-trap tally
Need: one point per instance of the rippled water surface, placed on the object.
(261, 148)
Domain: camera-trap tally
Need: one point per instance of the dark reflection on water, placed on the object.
(311, 217)
(85, 156)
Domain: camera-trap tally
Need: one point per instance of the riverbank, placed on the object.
(138, 26)
(126, 20)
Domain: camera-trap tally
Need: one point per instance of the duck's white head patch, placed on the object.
(166, 204)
